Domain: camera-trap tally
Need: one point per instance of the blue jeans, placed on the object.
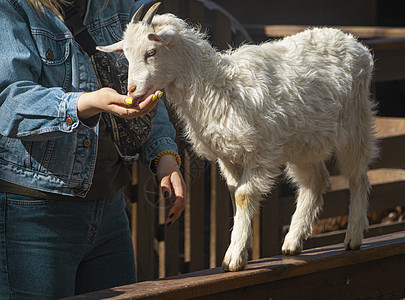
(54, 249)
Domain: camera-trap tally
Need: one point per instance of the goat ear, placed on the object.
(117, 48)
(165, 36)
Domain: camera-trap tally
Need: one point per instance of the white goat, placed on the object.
(292, 103)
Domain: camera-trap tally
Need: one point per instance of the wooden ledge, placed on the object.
(389, 127)
(376, 176)
(366, 32)
(214, 282)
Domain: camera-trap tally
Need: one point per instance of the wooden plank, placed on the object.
(387, 184)
(387, 127)
(213, 219)
(222, 33)
(389, 59)
(194, 255)
(131, 194)
(357, 281)
(391, 132)
(365, 32)
(256, 236)
(220, 218)
(344, 12)
(392, 151)
(379, 251)
(196, 12)
(270, 224)
(170, 264)
(145, 224)
(376, 176)
(173, 6)
(337, 237)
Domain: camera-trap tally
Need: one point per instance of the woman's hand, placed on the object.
(108, 100)
(171, 180)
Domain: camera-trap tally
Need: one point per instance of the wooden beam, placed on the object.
(364, 32)
(388, 184)
(383, 255)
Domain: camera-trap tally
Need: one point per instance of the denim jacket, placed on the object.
(43, 144)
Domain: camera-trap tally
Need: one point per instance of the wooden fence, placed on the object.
(199, 239)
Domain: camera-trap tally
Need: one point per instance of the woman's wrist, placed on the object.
(85, 109)
(164, 156)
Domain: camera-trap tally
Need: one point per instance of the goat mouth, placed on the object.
(139, 99)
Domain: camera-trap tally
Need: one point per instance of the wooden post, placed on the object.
(134, 211)
(220, 216)
(270, 225)
(145, 224)
(194, 255)
(256, 236)
(222, 34)
(171, 242)
(213, 219)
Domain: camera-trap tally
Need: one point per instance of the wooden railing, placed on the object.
(376, 271)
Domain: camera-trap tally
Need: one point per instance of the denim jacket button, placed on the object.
(49, 55)
(69, 121)
(86, 143)
(78, 189)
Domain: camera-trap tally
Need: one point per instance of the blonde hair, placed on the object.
(54, 5)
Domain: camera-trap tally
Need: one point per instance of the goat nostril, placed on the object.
(132, 89)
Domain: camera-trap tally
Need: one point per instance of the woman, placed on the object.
(63, 227)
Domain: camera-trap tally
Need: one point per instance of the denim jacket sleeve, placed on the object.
(28, 109)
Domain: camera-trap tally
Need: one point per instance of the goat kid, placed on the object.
(292, 103)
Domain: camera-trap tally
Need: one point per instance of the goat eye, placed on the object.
(150, 53)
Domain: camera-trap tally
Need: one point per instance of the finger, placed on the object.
(142, 108)
(179, 191)
(148, 106)
(175, 211)
(166, 187)
(130, 113)
(178, 184)
(145, 103)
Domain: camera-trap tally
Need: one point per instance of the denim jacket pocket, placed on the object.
(54, 52)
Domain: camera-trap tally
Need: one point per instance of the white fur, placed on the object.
(292, 102)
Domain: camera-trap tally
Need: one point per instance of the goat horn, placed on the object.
(137, 15)
(150, 13)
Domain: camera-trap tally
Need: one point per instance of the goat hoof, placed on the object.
(291, 252)
(352, 244)
(232, 267)
(353, 239)
(234, 260)
(291, 246)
